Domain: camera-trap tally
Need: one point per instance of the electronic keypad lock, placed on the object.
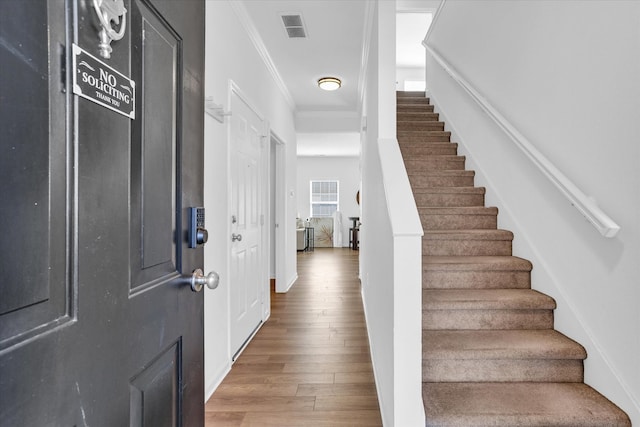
(198, 235)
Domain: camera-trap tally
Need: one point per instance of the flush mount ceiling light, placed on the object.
(329, 83)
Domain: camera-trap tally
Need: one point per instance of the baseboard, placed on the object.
(213, 385)
(289, 284)
(246, 343)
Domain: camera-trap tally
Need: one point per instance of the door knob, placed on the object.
(198, 280)
(236, 237)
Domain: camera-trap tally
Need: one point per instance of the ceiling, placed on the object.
(327, 123)
(333, 47)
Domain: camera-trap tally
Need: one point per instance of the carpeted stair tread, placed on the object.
(469, 242)
(410, 93)
(501, 356)
(459, 218)
(402, 108)
(448, 190)
(417, 122)
(424, 115)
(491, 263)
(441, 173)
(424, 136)
(518, 404)
(441, 178)
(485, 299)
(419, 149)
(465, 210)
(446, 162)
(444, 173)
(426, 144)
(408, 96)
(419, 153)
(505, 369)
(475, 272)
(412, 101)
(449, 197)
(419, 125)
(467, 235)
(438, 157)
(490, 344)
(418, 115)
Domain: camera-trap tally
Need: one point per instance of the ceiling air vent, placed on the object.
(294, 26)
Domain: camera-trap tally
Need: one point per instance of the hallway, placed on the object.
(309, 365)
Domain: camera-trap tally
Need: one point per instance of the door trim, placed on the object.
(280, 201)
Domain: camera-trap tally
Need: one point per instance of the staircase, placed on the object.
(490, 354)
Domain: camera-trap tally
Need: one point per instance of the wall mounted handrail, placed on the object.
(585, 205)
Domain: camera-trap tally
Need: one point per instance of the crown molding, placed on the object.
(247, 23)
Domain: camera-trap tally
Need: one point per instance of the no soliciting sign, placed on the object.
(98, 82)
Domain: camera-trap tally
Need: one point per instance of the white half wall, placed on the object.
(566, 75)
(346, 170)
(232, 56)
(390, 243)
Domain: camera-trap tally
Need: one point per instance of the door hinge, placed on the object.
(261, 219)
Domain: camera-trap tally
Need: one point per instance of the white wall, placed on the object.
(230, 54)
(417, 5)
(346, 170)
(328, 143)
(408, 73)
(411, 27)
(567, 76)
(327, 121)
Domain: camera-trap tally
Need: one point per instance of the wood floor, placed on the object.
(309, 365)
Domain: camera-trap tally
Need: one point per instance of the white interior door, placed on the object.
(246, 294)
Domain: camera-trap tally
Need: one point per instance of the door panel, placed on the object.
(106, 255)
(155, 53)
(155, 392)
(246, 190)
(35, 286)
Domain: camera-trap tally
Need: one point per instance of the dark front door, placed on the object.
(97, 325)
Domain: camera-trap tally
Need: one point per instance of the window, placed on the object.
(324, 198)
